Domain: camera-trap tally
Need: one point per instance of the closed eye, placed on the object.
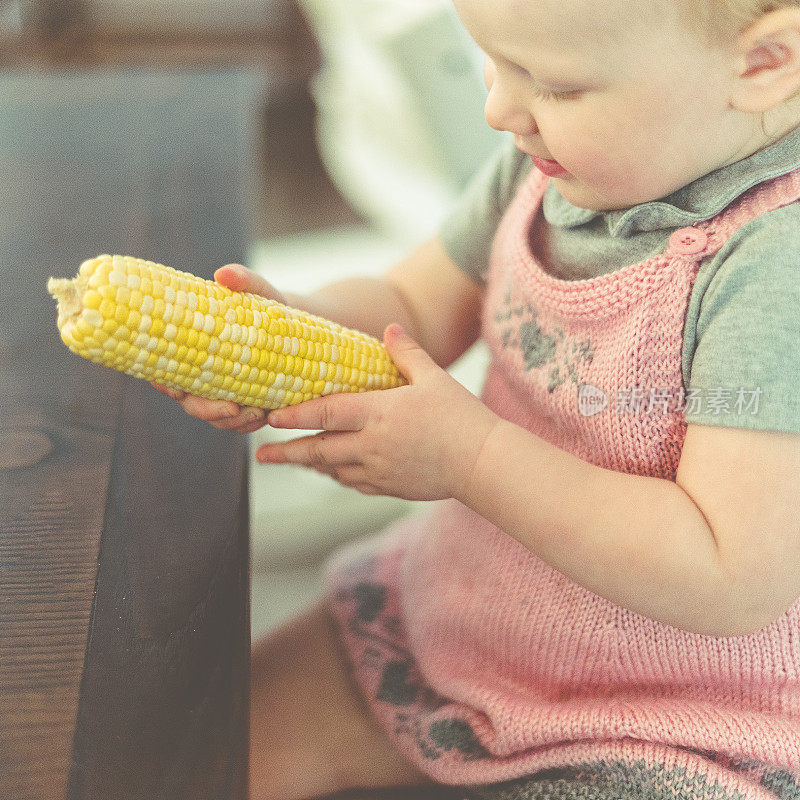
(547, 94)
(539, 92)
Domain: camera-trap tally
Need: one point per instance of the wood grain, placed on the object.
(49, 541)
(164, 702)
(124, 585)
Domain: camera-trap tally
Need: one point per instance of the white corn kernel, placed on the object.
(92, 316)
(165, 336)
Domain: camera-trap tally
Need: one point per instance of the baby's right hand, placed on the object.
(225, 414)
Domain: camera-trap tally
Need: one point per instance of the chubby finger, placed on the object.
(209, 410)
(350, 474)
(365, 488)
(240, 279)
(336, 412)
(236, 426)
(246, 420)
(410, 358)
(175, 394)
(324, 451)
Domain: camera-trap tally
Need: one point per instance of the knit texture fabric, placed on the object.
(487, 666)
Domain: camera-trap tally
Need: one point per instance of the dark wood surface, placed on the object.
(124, 582)
(69, 33)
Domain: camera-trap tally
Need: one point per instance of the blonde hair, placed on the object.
(725, 18)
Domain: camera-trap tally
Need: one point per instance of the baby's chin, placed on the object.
(582, 196)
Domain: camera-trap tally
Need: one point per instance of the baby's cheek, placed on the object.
(617, 171)
(598, 168)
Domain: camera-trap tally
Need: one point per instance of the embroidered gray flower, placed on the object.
(539, 348)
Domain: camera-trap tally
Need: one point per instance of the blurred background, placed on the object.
(335, 134)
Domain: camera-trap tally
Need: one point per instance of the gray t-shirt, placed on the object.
(741, 353)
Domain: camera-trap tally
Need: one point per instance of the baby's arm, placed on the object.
(715, 552)
(428, 294)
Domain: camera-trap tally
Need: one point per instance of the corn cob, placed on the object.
(168, 326)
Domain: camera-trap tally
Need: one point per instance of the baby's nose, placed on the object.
(503, 110)
(504, 113)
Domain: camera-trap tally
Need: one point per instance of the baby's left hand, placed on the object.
(417, 442)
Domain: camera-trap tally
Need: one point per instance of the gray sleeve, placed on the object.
(745, 369)
(468, 229)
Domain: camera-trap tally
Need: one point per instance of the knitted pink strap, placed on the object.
(707, 238)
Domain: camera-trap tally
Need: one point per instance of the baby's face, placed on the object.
(629, 102)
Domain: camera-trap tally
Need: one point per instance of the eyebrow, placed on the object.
(545, 78)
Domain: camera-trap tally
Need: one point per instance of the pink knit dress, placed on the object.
(483, 663)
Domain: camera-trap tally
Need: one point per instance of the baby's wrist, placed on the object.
(470, 472)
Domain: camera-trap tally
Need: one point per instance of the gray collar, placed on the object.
(697, 201)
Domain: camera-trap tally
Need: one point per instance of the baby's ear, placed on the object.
(768, 62)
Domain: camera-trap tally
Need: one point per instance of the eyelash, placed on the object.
(545, 94)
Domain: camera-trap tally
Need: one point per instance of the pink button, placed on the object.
(688, 241)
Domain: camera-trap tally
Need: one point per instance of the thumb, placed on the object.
(409, 357)
(238, 278)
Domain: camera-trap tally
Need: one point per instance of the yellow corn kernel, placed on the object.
(158, 323)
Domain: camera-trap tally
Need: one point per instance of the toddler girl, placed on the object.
(603, 604)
